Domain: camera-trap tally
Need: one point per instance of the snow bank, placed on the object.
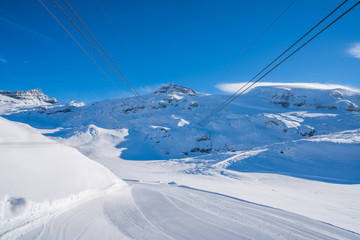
(37, 170)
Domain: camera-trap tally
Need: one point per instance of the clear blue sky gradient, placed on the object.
(187, 42)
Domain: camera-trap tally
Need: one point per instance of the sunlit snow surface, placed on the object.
(162, 211)
(39, 176)
(292, 147)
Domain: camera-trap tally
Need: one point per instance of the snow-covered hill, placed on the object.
(38, 175)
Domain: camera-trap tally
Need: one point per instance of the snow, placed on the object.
(37, 172)
(262, 116)
(293, 147)
(163, 211)
(74, 103)
(288, 120)
(349, 137)
(182, 122)
(103, 142)
(233, 87)
(10, 102)
(336, 204)
(35, 158)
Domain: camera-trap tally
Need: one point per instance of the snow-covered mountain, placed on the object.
(11, 102)
(252, 150)
(29, 96)
(267, 117)
(165, 127)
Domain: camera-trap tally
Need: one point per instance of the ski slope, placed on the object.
(39, 175)
(162, 211)
(280, 163)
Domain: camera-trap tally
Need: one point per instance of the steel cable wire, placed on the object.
(81, 47)
(282, 54)
(238, 93)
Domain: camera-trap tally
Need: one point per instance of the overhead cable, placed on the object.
(81, 47)
(112, 61)
(97, 51)
(239, 91)
(256, 40)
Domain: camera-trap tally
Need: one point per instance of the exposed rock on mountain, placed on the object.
(165, 126)
(32, 95)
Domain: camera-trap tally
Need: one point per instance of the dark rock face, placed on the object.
(17, 205)
(203, 138)
(283, 104)
(353, 107)
(66, 110)
(272, 123)
(201, 150)
(308, 134)
(35, 94)
(282, 97)
(133, 109)
(325, 107)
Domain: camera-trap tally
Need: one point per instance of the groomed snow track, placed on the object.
(162, 211)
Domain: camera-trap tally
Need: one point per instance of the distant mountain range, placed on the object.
(293, 128)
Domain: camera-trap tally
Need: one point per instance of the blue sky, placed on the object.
(187, 42)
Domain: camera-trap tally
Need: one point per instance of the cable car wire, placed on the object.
(237, 93)
(81, 47)
(256, 40)
(112, 61)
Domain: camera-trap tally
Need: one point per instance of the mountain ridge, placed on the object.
(261, 117)
(34, 94)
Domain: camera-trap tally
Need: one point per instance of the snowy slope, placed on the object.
(141, 211)
(273, 116)
(162, 211)
(39, 174)
(330, 157)
(261, 117)
(305, 131)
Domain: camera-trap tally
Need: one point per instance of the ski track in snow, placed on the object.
(162, 211)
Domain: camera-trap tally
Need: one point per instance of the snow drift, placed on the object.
(37, 172)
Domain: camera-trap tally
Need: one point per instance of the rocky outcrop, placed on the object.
(35, 94)
(175, 89)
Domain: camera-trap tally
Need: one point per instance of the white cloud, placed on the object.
(355, 50)
(233, 87)
(3, 60)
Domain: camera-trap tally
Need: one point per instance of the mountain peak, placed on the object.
(174, 89)
(34, 94)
